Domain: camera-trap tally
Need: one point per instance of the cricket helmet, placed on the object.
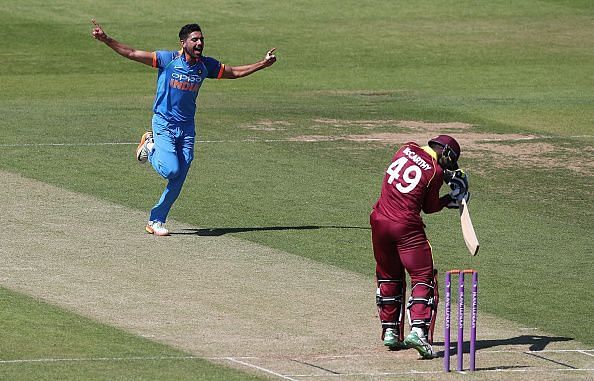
(450, 153)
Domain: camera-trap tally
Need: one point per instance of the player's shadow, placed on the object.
(214, 232)
(534, 342)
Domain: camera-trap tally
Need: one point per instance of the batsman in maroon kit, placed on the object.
(411, 185)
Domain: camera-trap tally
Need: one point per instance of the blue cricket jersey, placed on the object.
(178, 84)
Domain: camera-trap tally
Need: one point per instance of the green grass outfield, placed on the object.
(522, 67)
(34, 333)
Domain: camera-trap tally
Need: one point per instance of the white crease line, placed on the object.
(290, 377)
(538, 351)
(413, 372)
(321, 139)
(541, 370)
(585, 351)
(17, 145)
(563, 350)
(503, 139)
(378, 374)
(343, 356)
(286, 377)
(65, 144)
(260, 368)
(156, 358)
(589, 352)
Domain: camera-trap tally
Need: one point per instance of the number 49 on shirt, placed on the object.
(410, 177)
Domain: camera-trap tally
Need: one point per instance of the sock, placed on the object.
(419, 331)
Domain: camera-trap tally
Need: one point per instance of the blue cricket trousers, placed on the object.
(171, 157)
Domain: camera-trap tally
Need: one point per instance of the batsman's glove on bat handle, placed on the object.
(458, 183)
(459, 188)
(448, 175)
(455, 203)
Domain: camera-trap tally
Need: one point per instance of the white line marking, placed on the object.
(540, 370)
(238, 360)
(589, 352)
(481, 351)
(412, 372)
(563, 350)
(66, 144)
(260, 368)
(343, 356)
(503, 139)
(17, 145)
(320, 139)
(156, 358)
(378, 374)
(539, 351)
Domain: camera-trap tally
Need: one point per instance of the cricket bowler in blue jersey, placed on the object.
(169, 147)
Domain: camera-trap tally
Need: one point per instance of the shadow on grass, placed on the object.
(214, 232)
(535, 343)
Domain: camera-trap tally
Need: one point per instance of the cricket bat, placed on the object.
(470, 239)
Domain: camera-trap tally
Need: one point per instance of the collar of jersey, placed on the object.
(183, 58)
(430, 151)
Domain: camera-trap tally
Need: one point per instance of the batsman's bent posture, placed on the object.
(411, 185)
(169, 147)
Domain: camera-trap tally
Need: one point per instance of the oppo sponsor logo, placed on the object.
(185, 82)
(186, 78)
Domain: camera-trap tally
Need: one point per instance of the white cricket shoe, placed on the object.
(157, 228)
(391, 340)
(143, 149)
(420, 343)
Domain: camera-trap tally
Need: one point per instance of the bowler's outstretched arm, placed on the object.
(122, 49)
(232, 72)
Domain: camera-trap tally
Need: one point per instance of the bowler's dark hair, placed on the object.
(185, 31)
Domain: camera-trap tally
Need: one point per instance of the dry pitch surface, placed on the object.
(232, 301)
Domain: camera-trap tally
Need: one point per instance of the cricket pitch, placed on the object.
(235, 302)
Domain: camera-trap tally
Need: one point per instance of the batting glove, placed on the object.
(448, 175)
(455, 203)
(458, 184)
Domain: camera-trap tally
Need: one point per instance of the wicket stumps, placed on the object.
(473, 312)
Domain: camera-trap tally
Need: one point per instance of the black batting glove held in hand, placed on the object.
(458, 182)
(448, 175)
(455, 204)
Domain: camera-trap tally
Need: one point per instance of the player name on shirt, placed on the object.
(417, 159)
